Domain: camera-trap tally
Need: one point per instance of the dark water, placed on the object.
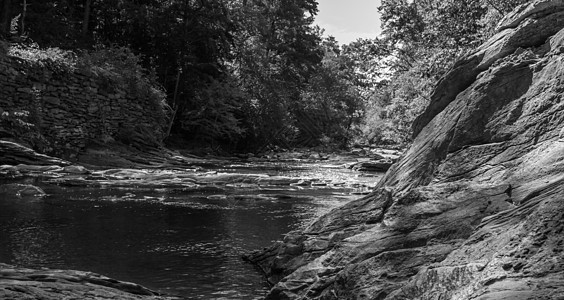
(181, 243)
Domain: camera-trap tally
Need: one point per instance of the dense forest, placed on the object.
(245, 75)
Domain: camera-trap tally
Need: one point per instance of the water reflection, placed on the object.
(182, 243)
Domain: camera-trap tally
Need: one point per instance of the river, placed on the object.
(180, 241)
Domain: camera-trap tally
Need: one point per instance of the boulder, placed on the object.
(473, 210)
(74, 169)
(380, 165)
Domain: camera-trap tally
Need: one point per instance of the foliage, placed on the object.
(19, 126)
(15, 121)
(332, 102)
(251, 73)
(54, 57)
(395, 106)
(276, 53)
(246, 59)
(117, 65)
(213, 116)
(370, 62)
(121, 67)
(117, 62)
(422, 39)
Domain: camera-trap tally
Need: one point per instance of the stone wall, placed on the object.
(72, 108)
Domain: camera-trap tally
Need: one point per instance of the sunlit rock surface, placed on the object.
(475, 208)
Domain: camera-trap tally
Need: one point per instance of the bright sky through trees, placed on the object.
(348, 20)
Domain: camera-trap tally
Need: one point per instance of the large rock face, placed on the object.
(475, 209)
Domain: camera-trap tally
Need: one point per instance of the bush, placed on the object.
(16, 125)
(114, 62)
(121, 67)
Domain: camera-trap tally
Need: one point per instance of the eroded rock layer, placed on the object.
(475, 208)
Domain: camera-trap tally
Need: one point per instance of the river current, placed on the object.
(180, 242)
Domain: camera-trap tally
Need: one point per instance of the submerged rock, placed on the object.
(474, 209)
(22, 190)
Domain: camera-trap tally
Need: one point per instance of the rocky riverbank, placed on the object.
(126, 176)
(19, 167)
(172, 169)
(474, 209)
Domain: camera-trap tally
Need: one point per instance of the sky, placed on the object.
(348, 20)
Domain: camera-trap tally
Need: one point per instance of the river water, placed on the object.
(181, 242)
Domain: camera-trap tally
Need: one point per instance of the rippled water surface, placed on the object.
(186, 243)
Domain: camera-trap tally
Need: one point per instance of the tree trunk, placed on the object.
(174, 106)
(86, 19)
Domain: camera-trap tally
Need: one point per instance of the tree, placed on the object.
(275, 54)
(332, 102)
